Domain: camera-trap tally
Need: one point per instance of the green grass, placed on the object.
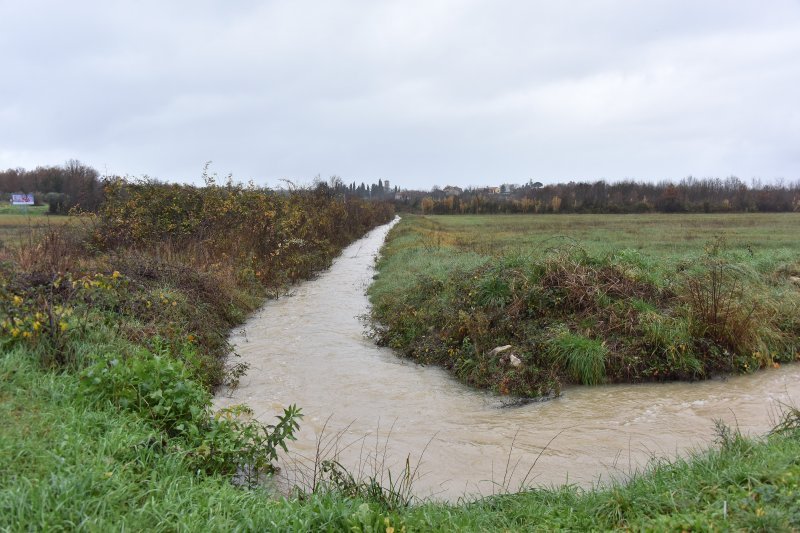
(585, 359)
(658, 234)
(7, 209)
(76, 460)
(662, 238)
(67, 464)
(649, 245)
(632, 297)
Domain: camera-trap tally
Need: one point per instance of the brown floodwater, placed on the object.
(372, 410)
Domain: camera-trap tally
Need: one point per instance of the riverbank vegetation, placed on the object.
(113, 333)
(524, 305)
(169, 266)
(123, 315)
(69, 463)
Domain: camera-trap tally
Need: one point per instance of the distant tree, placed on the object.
(71, 185)
(82, 185)
(670, 200)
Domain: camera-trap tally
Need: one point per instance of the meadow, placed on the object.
(113, 333)
(669, 237)
(19, 224)
(586, 299)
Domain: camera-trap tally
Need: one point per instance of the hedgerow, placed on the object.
(139, 298)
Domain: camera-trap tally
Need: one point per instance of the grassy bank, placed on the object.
(114, 328)
(111, 340)
(69, 463)
(590, 298)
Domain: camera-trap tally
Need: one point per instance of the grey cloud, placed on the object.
(420, 92)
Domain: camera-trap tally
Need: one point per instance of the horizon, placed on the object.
(281, 183)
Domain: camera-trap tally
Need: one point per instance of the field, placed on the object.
(33, 210)
(104, 378)
(667, 237)
(590, 298)
(19, 224)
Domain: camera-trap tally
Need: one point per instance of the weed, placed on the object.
(671, 339)
(721, 305)
(160, 390)
(788, 422)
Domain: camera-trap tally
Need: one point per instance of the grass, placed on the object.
(17, 223)
(584, 359)
(660, 239)
(23, 210)
(590, 298)
(65, 464)
(68, 464)
(89, 443)
(664, 236)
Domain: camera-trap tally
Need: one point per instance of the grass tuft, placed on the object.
(584, 358)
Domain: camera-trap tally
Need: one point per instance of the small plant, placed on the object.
(583, 358)
(156, 387)
(729, 438)
(789, 421)
(162, 391)
(670, 338)
(395, 496)
(49, 314)
(494, 291)
(233, 443)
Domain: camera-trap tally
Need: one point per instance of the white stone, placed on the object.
(499, 350)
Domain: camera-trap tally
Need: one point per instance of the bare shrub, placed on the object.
(49, 250)
(585, 286)
(722, 303)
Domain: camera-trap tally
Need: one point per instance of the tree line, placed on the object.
(689, 195)
(336, 186)
(75, 185)
(64, 187)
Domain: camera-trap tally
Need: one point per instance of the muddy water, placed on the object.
(374, 409)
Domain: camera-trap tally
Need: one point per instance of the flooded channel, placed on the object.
(375, 409)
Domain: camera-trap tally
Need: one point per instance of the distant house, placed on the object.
(452, 191)
(490, 190)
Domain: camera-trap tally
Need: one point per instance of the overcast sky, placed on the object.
(421, 93)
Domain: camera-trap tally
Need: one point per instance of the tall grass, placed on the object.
(584, 358)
